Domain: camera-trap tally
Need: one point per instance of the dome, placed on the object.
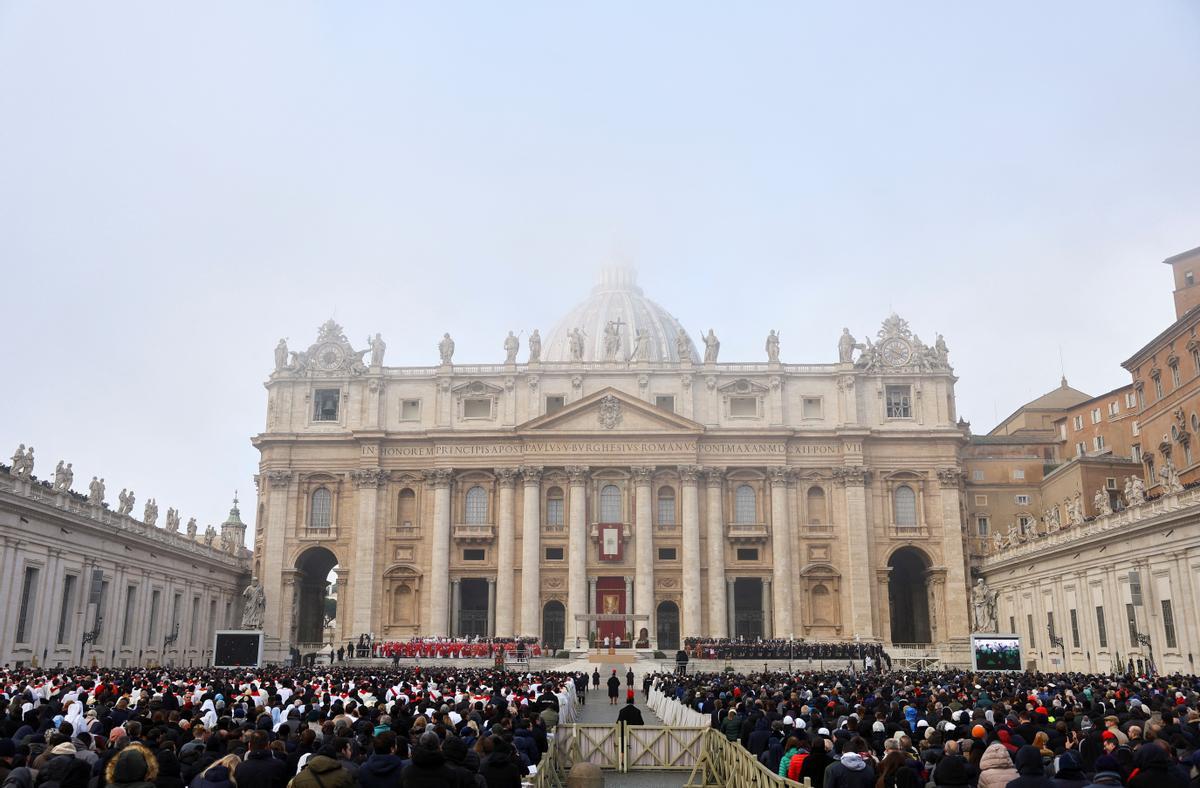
(617, 299)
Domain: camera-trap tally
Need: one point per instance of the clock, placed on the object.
(896, 352)
(330, 356)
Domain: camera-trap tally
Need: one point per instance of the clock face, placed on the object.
(330, 356)
(896, 352)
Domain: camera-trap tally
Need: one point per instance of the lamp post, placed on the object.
(1144, 640)
(90, 637)
(169, 639)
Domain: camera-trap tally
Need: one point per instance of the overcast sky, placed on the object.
(181, 184)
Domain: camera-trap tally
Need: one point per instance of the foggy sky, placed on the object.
(183, 184)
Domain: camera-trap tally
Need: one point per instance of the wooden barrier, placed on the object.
(726, 764)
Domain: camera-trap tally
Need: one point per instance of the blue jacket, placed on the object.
(526, 745)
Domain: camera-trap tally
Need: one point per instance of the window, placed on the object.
(1149, 468)
(28, 600)
(1110, 482)
(904, 500)
(473, 554)
(743, 407)
(981, 500)
(1078, 421)
(228, 615)
(1098, 442)
(1012, 624)
(155, 598)
(1175, 380)
(554, 554)
(1135, 587)
(319, 515)
(747, 554)
(1141, 399)
(477, 506)
(325, 404)
(1196, 359)
(1131, 398)
(1135, 452)
(818, 514)
(1131, 619)
(899, 402)
(1158, 389)
(1101, 629)
(977, 476)
(408, 507)
(555, 402)
(130, 598)
(1074, 629)
(1188, 279)
(1095, 415)
(1168, 623)
(666, 506)
(811, 407)
(982, 526)
(1187, 454)
(194, 618)
(65, 610)
(410, 410)
(1050, 623)
(1032, 634)
(1025, 523)
(212, 619)
(101, 606)
(745, 506)
(1021, 500)
(610, 504)
(554, 506)
(477, 408)
(1114, 408)
(1062, 431)
(1018, 474)
(1080, 449)
(665, 401)
(666, 554)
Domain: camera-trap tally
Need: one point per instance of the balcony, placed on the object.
(473, 534)
(815, 529)
(747, 532)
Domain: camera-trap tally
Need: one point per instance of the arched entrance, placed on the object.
(554, 625)
(315, 604)
(667, 616)
(908, 596)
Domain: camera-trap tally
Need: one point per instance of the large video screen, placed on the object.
(237, 649)
(996, 652)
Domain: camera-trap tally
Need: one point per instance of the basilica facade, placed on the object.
(617, 481)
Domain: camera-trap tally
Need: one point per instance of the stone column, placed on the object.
(718, 602)
(956, 623)
(629, 608)
(691, 623)
(455, 606)
(882, 578)
(731, 604)
(278, 483)
(288, 603)
(643, 585)
(506, 547)
(858, 534)
(591, 597)
(9, 610)
(768, 609)
(491, 622)
(577, 603)
(439, 563)
(365, 583)
(781, 552)
(531, 552)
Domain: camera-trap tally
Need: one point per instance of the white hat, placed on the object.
(878, 727)
(822, 731)
(788, 721)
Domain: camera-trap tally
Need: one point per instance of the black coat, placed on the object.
(614, 686)
(428, 770)
(630, 715)
(261, 768)
(498, 771)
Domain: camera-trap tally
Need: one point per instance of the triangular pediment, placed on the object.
(610, 411)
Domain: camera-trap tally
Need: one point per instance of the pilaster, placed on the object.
(531, 552)
(502, 620)
(690, 619)
(439, 563)
(718, 600)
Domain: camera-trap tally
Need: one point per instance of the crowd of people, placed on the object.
(437, 648)
(782, 648)
(941, 729)
(335, 727)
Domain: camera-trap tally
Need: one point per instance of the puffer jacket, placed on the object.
(330, 772)
(996, 767)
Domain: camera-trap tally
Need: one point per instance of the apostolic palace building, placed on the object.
(615, 479)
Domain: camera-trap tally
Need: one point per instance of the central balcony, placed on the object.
(747, 532)
(473, 534)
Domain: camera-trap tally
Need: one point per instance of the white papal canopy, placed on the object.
(617, 299)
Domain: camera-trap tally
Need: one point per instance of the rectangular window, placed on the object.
(1131, 398)
(1074, 628)
(100, 609)
(68, 596)
(1168, 623)
(665, 401)
(1095, 415)
(175, 603)
(666, 554)
(195, 618)
(1141, 399)
(1158, 389)
(554, 511)
(1080, 449)
(1022, 500)
(28, 600)
(1012, 624)
(325, 404)
(1196, 359)
(1114, 408)
(747, 554)
(1149, 467)
(1098, 442)
(1101, 628)
(212, 620)
(410, 410)
(1050, 623)
(1025, 523)
(1131, 620)
(1175, 381)
(228, 615)
(899, 402)
(977, 476)
(982, 526)
(1032, 634)
(811, 408)
(666, 509)
(554, 554)
(1078, 423)
(1187, 454)
(1110, 482)
(555, 402)
(1019, 474)
(1135, 452)
(130, 598)
(473, 554)
(1062, 431)
(743, 407)
(981, 500)
(1135, 428)
(155, 596)
(477, 408)
(1135, 587)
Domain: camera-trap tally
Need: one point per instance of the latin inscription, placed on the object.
(534, 448)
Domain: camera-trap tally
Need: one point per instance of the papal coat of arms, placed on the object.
(610, 412)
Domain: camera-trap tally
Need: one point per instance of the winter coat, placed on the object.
(850, 771)
(214, 777)
(1069, 771)
(951, 771)
(1153, 769)
(428, 770)
(731, 726)
(64, 771)
(1106, 780)
(1031, 770)
(330, 771)
(815, 765)
(523, 741)
(498, 771)
(996, 767)
(380, 771)
(760, 736)
(785, 761)
(261, 768)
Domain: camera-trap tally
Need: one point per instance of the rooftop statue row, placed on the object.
(895, 347)
(64, 475)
